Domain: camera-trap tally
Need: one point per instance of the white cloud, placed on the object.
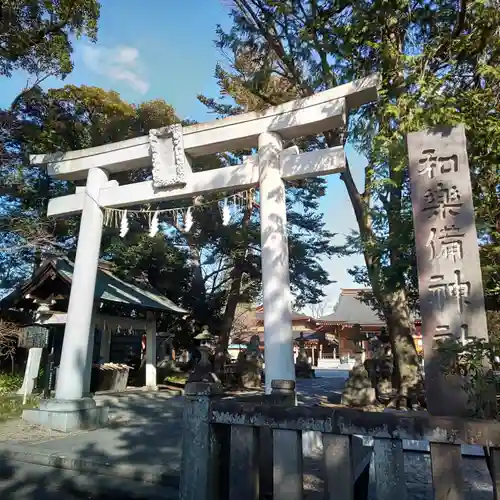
(117, 64)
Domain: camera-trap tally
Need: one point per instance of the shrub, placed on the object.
(477, 362)
(10, 383)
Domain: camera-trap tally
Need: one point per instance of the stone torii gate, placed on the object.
(169, 150)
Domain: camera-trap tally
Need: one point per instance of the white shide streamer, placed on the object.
(181, 218)
(124, 225)
(188, 221)
(154, 225)
(226, 213)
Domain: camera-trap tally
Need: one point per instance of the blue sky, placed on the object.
(166, 50)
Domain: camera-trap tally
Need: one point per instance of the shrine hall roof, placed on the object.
(352, 310)
(108, 287)
(259, 315)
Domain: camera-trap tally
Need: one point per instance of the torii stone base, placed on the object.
(67, 416)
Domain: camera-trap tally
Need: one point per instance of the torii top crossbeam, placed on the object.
(311, 115)
(326, 110)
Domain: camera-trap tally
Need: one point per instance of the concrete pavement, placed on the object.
(25, 481)
(136, 456)
(142, 441)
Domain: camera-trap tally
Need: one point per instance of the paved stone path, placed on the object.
(123, 407)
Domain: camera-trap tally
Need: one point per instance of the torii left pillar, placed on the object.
(70, 409)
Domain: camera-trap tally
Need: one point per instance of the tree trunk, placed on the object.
(229, 313)
(197, 283)
(400, 327)
(393, 303)
(198, 289)
(234, 295)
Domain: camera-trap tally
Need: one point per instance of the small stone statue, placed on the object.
(358, 390)
(303, 368)
(249, 364)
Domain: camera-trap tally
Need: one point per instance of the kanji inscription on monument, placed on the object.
(449, 273)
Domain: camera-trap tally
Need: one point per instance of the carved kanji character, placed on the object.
(432, 165)
(442, 201)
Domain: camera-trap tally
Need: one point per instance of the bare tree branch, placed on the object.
(9, 338)
(29, 87)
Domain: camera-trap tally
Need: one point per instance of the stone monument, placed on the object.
(249, 364)
(449, 273)
(32, 370)
(303, 368)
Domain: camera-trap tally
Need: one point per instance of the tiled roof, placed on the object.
(108, 287)
(352, 310)
(259, 315)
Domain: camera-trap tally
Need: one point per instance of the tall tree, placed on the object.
(208, 269)
(73, 118)
(35, 35)
(438, 63)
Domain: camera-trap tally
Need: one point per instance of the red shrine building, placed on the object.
(342, 333)
(354, 322)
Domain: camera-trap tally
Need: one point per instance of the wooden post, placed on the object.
(447, 479)
(105, 347)
(199, 462)
(387, 474)
(244, 466)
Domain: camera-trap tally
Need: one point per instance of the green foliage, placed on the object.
(469, 360)
(493, 319)
(477, 363)
(12, 407)
(177, 379)
(60, 120)
(35, 35)
(9, 383)
(436, 65)
(198, 270)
